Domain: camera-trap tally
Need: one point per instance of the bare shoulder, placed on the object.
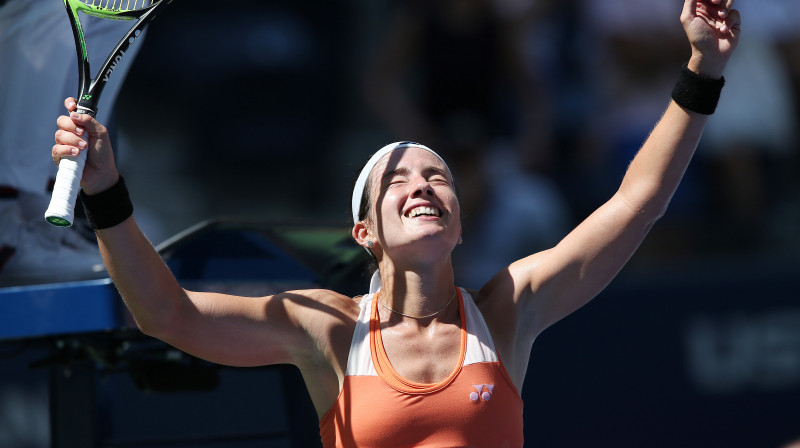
(495, 296)
(507, 286)
(500, 301)
(289, 327)
(312, 307)
(328, 319)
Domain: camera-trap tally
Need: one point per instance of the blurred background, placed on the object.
(539, 104)
(264, 110)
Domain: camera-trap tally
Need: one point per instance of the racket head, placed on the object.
(113, 9)
(90, 88)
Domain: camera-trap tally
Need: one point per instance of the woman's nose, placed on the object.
(422, 188)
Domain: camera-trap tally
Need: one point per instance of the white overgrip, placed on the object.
(61, 211)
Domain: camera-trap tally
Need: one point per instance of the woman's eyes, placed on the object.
(436, 180)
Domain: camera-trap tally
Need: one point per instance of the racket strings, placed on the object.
(118, 5)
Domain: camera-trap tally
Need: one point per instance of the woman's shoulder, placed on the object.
(326, 301)
(496, 297)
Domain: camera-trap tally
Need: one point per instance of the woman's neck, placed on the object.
(418, 292)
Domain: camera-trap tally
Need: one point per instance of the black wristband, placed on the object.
(108, 208)
(697, 93)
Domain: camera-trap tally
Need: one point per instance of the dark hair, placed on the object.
(363, 211)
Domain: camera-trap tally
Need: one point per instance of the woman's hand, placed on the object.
(713, 29)
(81, 132)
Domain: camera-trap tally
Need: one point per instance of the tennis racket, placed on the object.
(61, 211)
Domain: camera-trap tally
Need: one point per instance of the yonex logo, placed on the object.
(114, 64)
(482, 391)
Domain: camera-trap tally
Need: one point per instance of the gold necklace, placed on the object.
(420, 317)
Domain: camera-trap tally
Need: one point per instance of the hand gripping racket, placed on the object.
(61, 211)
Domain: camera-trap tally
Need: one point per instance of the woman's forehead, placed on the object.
(409, 158)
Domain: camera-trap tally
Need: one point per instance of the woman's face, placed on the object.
(413, 204)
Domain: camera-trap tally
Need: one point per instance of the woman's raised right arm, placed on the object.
(241, 331)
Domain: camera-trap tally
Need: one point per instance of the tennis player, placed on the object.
(416, 361)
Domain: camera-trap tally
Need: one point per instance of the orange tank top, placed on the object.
(477, 405)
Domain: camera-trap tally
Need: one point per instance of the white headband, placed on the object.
(361, 182)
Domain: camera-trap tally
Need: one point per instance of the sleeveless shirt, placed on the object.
(477, 405)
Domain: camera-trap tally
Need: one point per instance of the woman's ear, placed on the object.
(361, 234)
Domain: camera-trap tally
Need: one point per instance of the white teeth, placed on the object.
(423, 211)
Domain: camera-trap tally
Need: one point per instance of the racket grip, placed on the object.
(61, 211)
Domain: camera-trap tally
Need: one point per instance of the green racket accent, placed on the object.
(110, 10)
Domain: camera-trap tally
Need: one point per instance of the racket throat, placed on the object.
(88, 107)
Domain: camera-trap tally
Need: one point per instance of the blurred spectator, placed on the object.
(742, 157)
(451, 74)
(632, 50)
(751, 154)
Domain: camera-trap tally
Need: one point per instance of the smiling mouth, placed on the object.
(424, 211)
